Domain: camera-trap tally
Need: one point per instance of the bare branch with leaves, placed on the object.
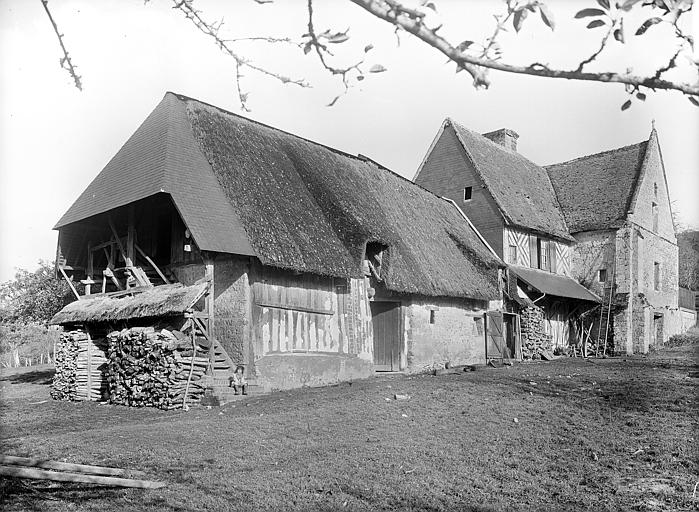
(66, 62)
(477, 59)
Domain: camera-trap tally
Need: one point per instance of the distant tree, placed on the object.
(688, 242)
(34, 296)
(420, 18)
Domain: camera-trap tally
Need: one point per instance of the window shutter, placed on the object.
(552, 256)
(533, 252)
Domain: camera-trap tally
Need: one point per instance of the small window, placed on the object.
(655, 190)
(602, 275)
(656, 276)
(468, 191)
(513, 255)
(543, 250)
(432, 315)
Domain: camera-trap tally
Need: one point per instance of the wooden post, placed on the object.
(130, 238)
(209, 263)
(88, 391)
(90, 270)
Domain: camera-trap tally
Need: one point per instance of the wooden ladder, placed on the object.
(605, 314)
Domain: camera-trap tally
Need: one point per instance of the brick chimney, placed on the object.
(505, 137)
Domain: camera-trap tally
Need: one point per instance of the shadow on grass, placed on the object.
(35, 377)
(19, 494)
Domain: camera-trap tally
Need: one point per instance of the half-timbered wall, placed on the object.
(523, 248)
(309, 330)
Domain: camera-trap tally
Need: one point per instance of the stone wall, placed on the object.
(456, 337)
(232, 307)
(593, 251)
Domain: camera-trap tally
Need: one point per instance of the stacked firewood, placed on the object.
(90, 369)
(535, 340)
(155, 368)
(64, 385)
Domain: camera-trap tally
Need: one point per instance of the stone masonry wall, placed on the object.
(457, 335)
(594, 250)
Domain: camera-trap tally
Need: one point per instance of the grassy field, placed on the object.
(608, 434)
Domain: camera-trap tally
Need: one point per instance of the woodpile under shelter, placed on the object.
(319, 266)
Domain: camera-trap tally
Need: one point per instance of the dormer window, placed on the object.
(468, 191)
(374, 258)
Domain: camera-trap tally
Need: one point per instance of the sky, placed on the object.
(55, 139)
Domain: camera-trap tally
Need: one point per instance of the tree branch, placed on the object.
(478, 66)
(186, 7)
(66, 62)
(321, 50)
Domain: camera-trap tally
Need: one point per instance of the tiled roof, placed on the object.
(162, 156)
(521, 189)
(595, 191)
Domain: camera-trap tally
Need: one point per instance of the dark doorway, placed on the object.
(509, 324)
(386, 323)
(657, 329)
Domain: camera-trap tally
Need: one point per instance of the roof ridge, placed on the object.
(601, 153)
(362, 158)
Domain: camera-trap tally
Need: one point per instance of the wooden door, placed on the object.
(495, 339)
(386, 323)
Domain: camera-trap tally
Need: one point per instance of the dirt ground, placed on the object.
(572, 434)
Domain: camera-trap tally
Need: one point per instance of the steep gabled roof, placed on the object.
(299, 205)
(163, 156)
(595, 191)
(521, 189)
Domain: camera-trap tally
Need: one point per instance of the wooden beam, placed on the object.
(209, 263)
(70, 283)
(40, 474)
(10, 460)
(109, 273)
(117, 239)
(152, 264)
(102, 245)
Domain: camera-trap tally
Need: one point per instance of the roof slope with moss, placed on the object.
(310, 208)
(159, 301)
(521, 189)
(595, 191)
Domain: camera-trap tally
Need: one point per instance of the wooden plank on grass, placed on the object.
(11, 460)
(40, 474)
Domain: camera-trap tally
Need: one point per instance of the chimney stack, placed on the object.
(505, 137)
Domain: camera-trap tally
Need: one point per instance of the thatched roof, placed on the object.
(310, 208)
(521, 189)
(294, 204)
(159, 301)
(595, 191)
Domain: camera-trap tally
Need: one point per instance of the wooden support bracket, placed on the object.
(70, 283)
(152, 264)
